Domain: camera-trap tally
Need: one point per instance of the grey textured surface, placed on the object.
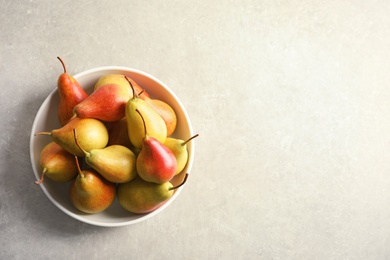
(291, 101)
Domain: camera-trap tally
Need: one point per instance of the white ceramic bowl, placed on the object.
(46, 120)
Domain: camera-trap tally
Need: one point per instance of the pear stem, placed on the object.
(63, 64)
(73, 116)
(143, 120)
(77, 142)
(185, 142)
(132, 87)
(181, 184)
(81, 173)
(42, 133)
(142, 91)
(42, 176)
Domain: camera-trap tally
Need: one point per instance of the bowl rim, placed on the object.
(142, 217)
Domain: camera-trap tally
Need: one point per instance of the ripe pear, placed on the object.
(70, 92)
(154, 122)
(165, 111)
(179, 150)
(57, 164)
(155, 162)
(107, 103)
(92, 134)
(139, 196)
(116, 163)
(90, 192)
(120, 80)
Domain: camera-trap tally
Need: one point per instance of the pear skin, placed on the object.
(90, 192)
(107, 104)
(70, 93)
(57, 164)
(92, 134)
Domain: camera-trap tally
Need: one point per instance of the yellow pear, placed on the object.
(92, 134)
(179, 150)
(135, 126)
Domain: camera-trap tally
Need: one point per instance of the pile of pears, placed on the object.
(113, 143)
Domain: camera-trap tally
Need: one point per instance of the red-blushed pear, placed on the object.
(57, 164)
(116, 163)
(139, 196)
(92, 134)
(179, 149)
(120, 80)
(70, 93)
(107, 103)
(155, 162)
(90, 192)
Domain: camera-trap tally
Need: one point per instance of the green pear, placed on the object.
(179, 150)
(154, 122)
(57, 164)
(116, 163)
(92, 134)
(90, 192)
(139, 196)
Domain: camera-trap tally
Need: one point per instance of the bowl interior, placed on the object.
(46, 120)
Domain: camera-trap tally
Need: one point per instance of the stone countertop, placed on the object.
(291, 101)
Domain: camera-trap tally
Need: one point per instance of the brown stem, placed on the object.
(81, 173)
(142, 91)
(181, 184)
(185, 142)
(42, 176)
(143, 120)
(132, 87)
(63, 64)
(77, 142)
(73, 116)
(42, 133)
